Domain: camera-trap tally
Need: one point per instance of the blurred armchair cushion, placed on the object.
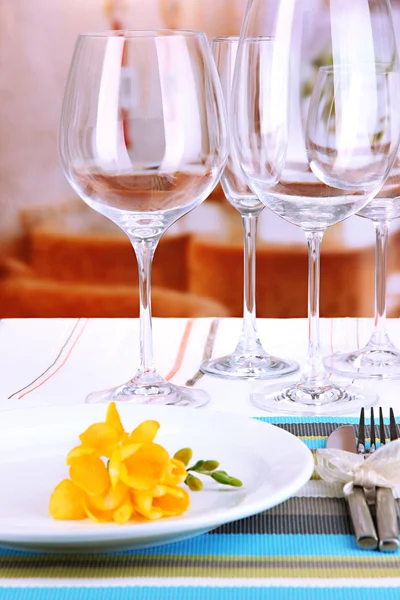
(28, 297)
(216, 271)
(72, 242)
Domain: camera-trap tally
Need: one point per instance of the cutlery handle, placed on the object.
(364, 528)
(386, 518)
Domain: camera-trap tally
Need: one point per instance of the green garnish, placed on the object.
(204, 467)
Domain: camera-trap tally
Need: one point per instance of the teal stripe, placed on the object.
(291, 420)
(239, 545)
(198, 593)
(264, 545)
(314, 444)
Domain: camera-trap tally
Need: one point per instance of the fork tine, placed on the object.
(361, 434)
(393, 427)
(372, 447)
(382, 427)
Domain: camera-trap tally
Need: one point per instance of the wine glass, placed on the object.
(249, 360)
(316, 160)
(143, 140)
(379, 359)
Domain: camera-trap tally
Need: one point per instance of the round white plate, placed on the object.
(272, 464)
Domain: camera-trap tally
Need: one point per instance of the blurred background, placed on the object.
(60, 258)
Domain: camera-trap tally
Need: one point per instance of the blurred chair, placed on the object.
(216, 271)
(22, 297)
(78, 245)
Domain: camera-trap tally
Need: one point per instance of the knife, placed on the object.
(343, 438)
(386, 511)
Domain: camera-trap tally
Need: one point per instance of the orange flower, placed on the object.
(141, 479)
(165, 501)
(114, 504)
(177, 473)
(100, 439)
(66, 502)
(140, 466)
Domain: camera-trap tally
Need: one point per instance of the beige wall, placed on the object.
(36, 43)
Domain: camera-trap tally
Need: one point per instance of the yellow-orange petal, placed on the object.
(123, 513)
(143, 504)
(78, 452)
(100, 516)
(116, 466)
(147, 467)
(99, 436)
(177, 473)
(128, 450)
(114, 420)
(66, 502)
(174, 502)
(90, 474)
(111, 499)
(145, 432)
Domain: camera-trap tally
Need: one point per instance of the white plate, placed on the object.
(272, 464)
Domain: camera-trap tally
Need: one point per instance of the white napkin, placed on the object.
(382, 468)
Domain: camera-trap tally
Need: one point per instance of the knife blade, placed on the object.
(343, 438)
(386, 511)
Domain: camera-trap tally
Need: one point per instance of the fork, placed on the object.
(386, 510)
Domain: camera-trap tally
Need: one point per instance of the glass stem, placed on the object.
(144, 250)
(249, 342)
(380, 336)
(314, 374)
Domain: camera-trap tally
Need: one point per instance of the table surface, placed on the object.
(301, 549)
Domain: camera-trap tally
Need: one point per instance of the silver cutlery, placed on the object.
(343, 438)
(386, 510)
(387, 537)
(208, 349)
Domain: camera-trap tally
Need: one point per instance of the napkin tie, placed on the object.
(382, 468)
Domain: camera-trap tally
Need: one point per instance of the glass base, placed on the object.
(249, 366)
(295, 399)
(156, 394)
(370, 362)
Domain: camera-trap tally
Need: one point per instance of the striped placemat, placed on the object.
(303, 548)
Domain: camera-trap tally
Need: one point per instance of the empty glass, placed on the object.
(379, 359)
(143, 140)
(249, 360)
(316, 153)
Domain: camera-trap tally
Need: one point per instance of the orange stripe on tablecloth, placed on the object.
(60, 366)
(53, 364)
(182, 350)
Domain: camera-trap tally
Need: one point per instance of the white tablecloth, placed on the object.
(60, 361)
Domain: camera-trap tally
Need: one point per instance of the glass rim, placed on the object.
(141, 33)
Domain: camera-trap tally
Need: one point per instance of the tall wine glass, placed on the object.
(143, 140)
(316, 161)
(249, 360)
(379, 359)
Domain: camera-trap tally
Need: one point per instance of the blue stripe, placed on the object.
(314, 444)
(293, 420)
(240, 545)
(199, 593)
